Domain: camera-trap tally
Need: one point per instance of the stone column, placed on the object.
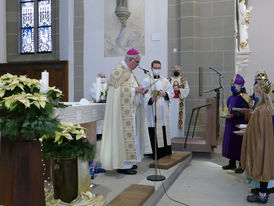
(3, 49)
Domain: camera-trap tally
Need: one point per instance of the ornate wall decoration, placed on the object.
(122, 33)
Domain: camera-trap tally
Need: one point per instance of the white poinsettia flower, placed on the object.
(2, 92)
(58, 92)
(39, 100)
(22, 98)
(68, 131)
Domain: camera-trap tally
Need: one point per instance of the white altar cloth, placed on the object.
(79, 114)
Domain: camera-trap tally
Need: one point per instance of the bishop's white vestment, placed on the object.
(125, 137)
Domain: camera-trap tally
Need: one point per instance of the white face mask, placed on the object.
(103, 80)
(156, 71)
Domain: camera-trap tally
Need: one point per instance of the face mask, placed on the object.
(103, 80)
(233, 89)
(156, 71)
(256, 99)
(176, 74)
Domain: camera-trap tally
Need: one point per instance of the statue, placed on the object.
(122, 11)
(121, 3)
(243, 22)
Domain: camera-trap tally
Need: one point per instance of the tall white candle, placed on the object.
(45, 78)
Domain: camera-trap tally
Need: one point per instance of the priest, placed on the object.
(125, 134)
(157, 106)
(177, 105)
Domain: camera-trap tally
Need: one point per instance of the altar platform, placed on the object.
(111, 183)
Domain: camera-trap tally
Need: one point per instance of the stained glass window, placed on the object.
(35, 31)
(44, 41)
(27, 38)
(44, 26)
(44, 13)
(27, 27)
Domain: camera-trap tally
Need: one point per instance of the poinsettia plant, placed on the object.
(25, 112)
(70, 141)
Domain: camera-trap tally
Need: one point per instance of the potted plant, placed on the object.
(26, 114)
(70, 150)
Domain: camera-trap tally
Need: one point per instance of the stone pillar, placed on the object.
(3, 49)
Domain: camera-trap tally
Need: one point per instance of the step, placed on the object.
(111, 183)
(193, 145)
(170, 160)
(134, 195)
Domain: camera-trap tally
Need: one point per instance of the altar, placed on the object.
(86, 115)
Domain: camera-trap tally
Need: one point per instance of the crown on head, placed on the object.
(265, 85)
(261, 75)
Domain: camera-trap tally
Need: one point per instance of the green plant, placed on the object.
(25, 112)
(68, 142)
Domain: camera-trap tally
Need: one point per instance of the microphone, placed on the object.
(144, 70)
(216, 72)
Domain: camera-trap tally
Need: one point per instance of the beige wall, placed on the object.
(261, 41)
(202, 32)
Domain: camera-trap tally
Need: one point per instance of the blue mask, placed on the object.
(256, 99)
(233, 89)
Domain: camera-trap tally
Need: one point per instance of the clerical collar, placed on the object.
(125, 65)
(156, 76)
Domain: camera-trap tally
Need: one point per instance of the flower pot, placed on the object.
(65, 179)
(21, 176)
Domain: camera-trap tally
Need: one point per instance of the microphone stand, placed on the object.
(217, 90)
(154, 177)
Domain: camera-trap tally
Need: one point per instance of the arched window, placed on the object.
(35, 26)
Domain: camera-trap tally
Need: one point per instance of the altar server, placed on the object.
(98, 88)
(98, 94)
(158, 99)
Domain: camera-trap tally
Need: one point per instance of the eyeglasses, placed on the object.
(137, 62)
(156, 67)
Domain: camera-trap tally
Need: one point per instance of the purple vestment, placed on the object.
(232, 143)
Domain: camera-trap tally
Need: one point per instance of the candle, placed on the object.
(45, 78)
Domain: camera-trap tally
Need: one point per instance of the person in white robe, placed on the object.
(158, 99)
(98, 89)
(125, 137)
(177, 105)
(98, 94)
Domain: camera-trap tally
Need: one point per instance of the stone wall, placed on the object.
(78, 50)
(201, 35)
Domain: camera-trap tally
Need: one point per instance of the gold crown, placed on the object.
(265, 85)
(261, 75)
